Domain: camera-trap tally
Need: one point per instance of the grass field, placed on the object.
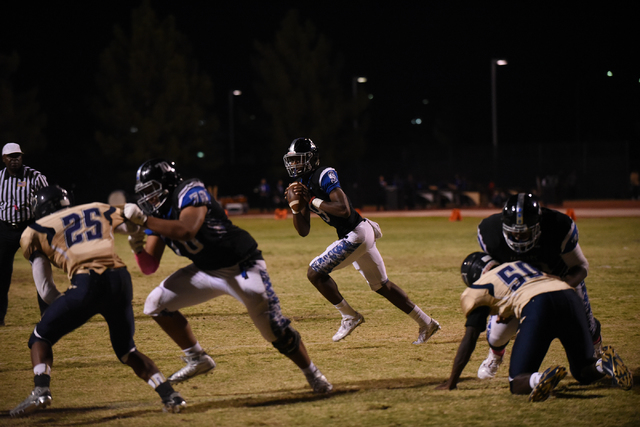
(380, 378)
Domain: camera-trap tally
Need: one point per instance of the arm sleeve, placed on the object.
(148, 263)
(43, 277)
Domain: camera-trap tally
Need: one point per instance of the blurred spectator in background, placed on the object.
(264, 195)
(278, 195)
(549, 185)
(381, 198)
(634, 182)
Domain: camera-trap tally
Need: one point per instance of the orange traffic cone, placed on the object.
(571, 214)
(455, 215)
(280, 214)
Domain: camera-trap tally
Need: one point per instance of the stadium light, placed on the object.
(494, 110)
(232, 93)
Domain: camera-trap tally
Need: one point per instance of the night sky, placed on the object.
(555, 87)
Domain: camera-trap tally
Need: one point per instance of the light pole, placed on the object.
(494, 111)
(232, 93)
(354, 86)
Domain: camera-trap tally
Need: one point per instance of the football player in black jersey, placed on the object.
(546, 308)
(322, 194)
(544, 238)
(181, 214)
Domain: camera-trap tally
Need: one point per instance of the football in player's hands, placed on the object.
(294, 194)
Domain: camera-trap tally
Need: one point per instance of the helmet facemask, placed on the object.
(151, 196)
(521, 238)
(298, 164)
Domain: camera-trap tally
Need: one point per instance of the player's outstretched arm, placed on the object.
(465, 350)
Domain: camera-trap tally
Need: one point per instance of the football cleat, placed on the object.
(347, 326)
(40, 397)
(548, 382)
(198, 364)
(427, 331)
(489, 366)
(174, 403)
(614, 367)
(318, 382)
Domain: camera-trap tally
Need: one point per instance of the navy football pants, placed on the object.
(546, 317)
(108, 294)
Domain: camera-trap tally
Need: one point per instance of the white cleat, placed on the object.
(427, 331)
(39, 398)
(489, 367)
(318, 382)
(347, 326)
(199, 364)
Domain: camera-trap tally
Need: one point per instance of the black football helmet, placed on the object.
(475, 265)
(302, 157)
(49, 200)
(155, 181)
(521, 222)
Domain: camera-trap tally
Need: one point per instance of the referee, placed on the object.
(18, 184)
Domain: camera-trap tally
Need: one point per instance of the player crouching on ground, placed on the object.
(79, 240)
(547, 308)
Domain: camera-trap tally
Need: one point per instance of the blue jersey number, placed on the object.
(78, 229)
(514, 278)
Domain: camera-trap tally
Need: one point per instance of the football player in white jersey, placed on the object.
(80, 241)
(546, 308)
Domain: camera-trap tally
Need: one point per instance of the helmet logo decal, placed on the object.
(519, 209)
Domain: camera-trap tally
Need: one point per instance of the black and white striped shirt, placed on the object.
(16, 193)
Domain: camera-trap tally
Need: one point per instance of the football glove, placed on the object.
(136, 241)
(134, 214)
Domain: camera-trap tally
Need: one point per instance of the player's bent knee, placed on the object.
(375, 287)
(152, 305)
(34, 339)
(289, 342)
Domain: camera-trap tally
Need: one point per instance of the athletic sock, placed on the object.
(156, 380)
(165, 390)
(345, 309)
(42, 380)
(42, 368)
(534, 379)
(419, 316)
(193, 351)
(309, 369)
(499, 353)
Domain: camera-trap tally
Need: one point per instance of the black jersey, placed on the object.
(219, 243)
(321, 183)
(558, 236)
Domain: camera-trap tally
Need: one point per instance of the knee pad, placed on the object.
(152, 303)
(289, 342)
